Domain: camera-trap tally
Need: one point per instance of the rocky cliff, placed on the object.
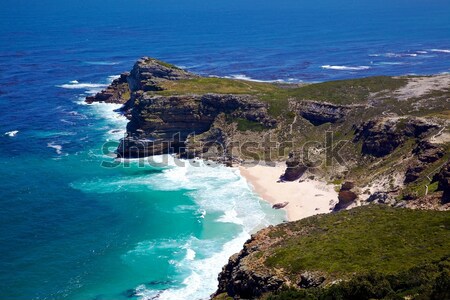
(374, 123)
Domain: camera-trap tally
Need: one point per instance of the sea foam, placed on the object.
(345, 68)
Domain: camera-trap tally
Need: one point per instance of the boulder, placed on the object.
(346, 196)
(294, 168)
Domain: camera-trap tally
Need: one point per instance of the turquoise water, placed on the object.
(71, 229)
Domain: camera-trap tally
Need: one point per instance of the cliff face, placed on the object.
(392, 144)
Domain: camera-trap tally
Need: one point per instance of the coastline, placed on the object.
(307, 198)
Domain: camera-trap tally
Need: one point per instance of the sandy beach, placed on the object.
(306, 198)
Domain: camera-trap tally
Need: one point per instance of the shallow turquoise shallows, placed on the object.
(72, 229)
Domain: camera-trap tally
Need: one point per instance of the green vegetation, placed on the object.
(348, 91)
(340, 92)
(165, 64)
(244, 125)
(429, 281)
(367, 239)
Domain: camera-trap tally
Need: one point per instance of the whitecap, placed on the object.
(82, 85)
(58, 148)
(440, 50)
(102, 63)
(247, 78)
(12, 133)
(345, 68)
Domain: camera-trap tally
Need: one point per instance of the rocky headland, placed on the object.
(378, 140)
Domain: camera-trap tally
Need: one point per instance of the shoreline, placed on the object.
(307, 198)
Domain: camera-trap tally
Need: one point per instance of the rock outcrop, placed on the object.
(443, 178)
(295, 168)
(148, 73)
(346, 196)
(425, 153)
(319, 113)
(382, 136)
(117, 92)
(243, 277)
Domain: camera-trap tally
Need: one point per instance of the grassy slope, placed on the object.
(375, 238)
(370, 252)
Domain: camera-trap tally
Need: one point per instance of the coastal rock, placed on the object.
(242, 278)
(147, 73)
(346, 196)
(170, 120)
(381, 198)
(280, 205)
(310, 280)
(294, 168)
(319, 113)
(382, 136)
(117, 92)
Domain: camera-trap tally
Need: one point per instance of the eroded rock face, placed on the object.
(443, 177)
(319, 113)
(171, 119)
(148, 72)
(382, 136)
(425, 153)
(243, 277)
(346, 196)
(162, 124)
(117, 92)
(294, 168)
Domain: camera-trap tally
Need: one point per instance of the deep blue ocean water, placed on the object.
(71, 229)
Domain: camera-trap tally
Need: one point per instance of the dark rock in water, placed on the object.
(382, 136)
(280, 205)
(295, 168)
(346, 196)
(130, 293)
(443, 178)
(310, 280)
(319, 113)
(117, 92)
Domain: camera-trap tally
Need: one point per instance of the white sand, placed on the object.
(306, 198)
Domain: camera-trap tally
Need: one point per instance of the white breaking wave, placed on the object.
(102, 63)
(12, 133)
(440, 50)
(78, 85)
(58, 148)
(346, 68)
(247, 78)
(221, 195)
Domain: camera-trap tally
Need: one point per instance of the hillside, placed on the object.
(371, 252)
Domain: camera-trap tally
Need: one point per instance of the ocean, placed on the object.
(71, 228)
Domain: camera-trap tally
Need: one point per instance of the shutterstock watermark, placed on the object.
(160, 153)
